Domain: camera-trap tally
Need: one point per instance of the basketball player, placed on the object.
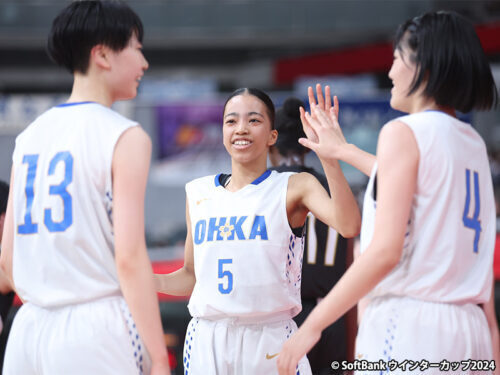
(427, 253)
(244, 247)
(326, 253)
(74, 231)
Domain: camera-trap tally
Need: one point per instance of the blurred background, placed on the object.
(201, 50)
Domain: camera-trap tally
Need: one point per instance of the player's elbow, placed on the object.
(351, 228)
(191, 277)
(3, 266)
(127, 259)
(350, 231)
(389, 257)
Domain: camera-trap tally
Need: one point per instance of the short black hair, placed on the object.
(4, 196)
(84, 24)
(449, 57)
(289, 127)
(259, 94)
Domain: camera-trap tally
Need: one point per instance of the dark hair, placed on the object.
(259, 94)
(4, 195)
(84, 24)
(448, 55)
(289, 128)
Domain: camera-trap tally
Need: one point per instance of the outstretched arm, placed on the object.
(338, 146)
(397, 173)
(130, 169)
(180, 282)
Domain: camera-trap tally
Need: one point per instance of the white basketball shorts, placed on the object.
(97, 337)
(424, 337)
(224, 347)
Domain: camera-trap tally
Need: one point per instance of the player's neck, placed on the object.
(88, 88)
(422, 104)
(244, 174)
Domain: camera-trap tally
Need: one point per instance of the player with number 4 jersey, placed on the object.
(428, 230)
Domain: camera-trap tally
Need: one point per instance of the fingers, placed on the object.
(303, 119)
(306, 119)
(310, 94)
(328, 98)
(313, 121)
(336, 105)
(323, 101)
(306, 126)
(319, 95)
(285, 366)
(308, 144)
(319, 117)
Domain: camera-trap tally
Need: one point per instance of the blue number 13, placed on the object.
(28, 227)
(472, 222)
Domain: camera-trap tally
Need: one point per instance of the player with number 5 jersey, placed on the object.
(244, 247)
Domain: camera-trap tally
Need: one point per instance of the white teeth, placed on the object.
(242, 143)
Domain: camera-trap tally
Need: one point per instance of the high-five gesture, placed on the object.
(324, 134)
(327, 136)
(324, 102)
(321, 126)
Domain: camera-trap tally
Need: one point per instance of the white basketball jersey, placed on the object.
(63, 244)
(247, 259)
(448, 248)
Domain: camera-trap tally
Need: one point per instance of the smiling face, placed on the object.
(247, 130)
(127, 68)
(401, 74)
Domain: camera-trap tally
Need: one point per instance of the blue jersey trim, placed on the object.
(70, 104)
(217, 183)
(257, 181)
(262, 177)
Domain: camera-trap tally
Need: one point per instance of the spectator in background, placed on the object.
(326, 253)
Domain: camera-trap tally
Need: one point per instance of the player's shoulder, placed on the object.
(45, 117)
(209, 181)
(134, 136)
(110, 116)
(202, 187)
(395, 129)
(301, 178)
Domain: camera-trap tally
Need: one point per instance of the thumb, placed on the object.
(308, 143)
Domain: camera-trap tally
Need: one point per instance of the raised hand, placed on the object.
(323, 132)
(324, 102)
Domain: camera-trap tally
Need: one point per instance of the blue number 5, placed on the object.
(225, 273)
(472, 223)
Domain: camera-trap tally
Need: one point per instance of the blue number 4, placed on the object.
(28, 227)
(472, 222)
(225, 273)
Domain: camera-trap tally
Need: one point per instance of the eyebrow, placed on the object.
(249, 114)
